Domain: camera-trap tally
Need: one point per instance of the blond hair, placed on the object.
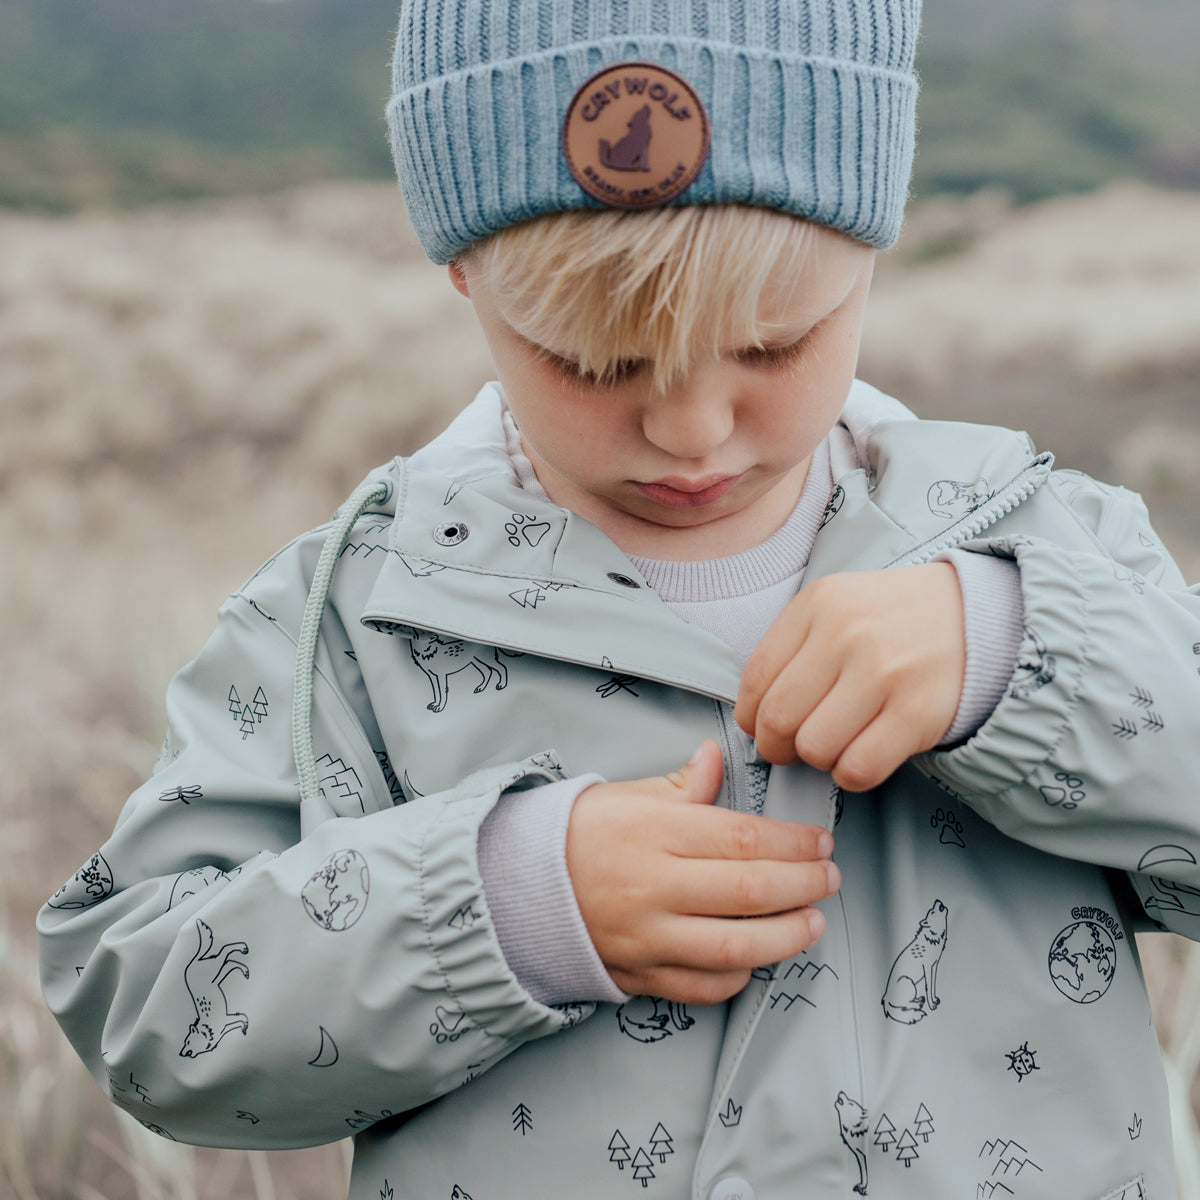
(668, 284)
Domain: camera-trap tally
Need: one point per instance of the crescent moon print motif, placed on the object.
(89, 885)
(1165, 853)
(336, 896)
(328, 1053)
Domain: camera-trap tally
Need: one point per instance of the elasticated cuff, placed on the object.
(523, 863)
(993, 615)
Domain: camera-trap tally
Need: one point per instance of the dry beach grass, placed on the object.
(183, 390)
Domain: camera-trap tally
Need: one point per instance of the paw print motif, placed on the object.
(1125, 575)
(1070, 795)
(951, 827)
(528, 527)
(449, 1025)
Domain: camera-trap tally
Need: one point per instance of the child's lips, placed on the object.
(677, 492)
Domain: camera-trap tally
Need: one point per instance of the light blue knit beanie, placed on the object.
(810, 105)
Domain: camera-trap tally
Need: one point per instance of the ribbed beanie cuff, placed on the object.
(811, 105)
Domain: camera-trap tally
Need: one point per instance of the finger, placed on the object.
(718, 833)
(733, 889)
(779, 646)
(798, 689)
(719, 944)
(698, 781)
(682, 984)
(843, 713)
(887, 742)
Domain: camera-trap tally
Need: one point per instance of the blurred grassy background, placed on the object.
(214, 320)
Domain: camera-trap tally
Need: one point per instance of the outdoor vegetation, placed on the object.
(214, 321)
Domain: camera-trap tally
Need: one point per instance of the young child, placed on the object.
(493, 826)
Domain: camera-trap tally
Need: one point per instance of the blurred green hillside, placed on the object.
(128, 101)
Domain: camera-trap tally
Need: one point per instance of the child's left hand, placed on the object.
(858, 673)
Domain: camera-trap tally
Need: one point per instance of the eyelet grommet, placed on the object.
(623, 580)
(451, 533)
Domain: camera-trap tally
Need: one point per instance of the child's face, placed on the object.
(715, 463)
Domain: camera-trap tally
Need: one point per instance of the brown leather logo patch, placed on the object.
(635, 135)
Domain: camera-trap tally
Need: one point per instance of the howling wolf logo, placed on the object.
(852, 1124)
(630, 153)
(911, 992)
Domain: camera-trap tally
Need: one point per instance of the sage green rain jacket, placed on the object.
(240, 967)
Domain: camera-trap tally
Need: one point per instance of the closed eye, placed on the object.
(618, 372)
(788, 356)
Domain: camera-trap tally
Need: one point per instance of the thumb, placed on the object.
(699, 780)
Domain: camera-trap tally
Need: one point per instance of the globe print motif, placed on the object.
(1083, 961)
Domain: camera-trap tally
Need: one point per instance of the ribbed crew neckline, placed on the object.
(783, 555)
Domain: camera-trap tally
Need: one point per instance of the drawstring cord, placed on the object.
(306, 642)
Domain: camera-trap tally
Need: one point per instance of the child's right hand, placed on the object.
(658, 873)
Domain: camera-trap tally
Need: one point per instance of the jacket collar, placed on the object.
(474, 556)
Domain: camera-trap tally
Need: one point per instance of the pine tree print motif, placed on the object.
(522, 1119)
(923, 1123)
(660, 1143)
(906, 1149)
(249, 715)
(643, 1168)
(885, 1133)
(618, 1149)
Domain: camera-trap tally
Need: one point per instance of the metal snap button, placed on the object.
(623, 580)
(732, 1187)
(451, 533)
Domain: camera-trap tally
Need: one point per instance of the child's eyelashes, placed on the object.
(617, 373)
(787, 356)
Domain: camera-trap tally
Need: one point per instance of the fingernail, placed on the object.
(835, 877)
(816, 923)
(825, 845)
(691, 762)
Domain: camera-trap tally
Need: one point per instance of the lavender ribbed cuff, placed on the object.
(523, 862)
(993, 614)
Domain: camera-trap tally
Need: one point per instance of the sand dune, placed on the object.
(183, 390)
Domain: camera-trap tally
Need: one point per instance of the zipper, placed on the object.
(735, 755)
(1017, 491)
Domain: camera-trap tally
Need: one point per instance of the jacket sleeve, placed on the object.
(230, 980)
(1093, 753)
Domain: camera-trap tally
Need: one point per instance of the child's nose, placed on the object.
(689, 422)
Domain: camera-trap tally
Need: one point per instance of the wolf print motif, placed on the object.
(1035, 667)
(911, 992)
(440, 658)
(852, 1125)
(645, 1018)
(92, 883)
(191, 883)
(204, 978)
(953, 499)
